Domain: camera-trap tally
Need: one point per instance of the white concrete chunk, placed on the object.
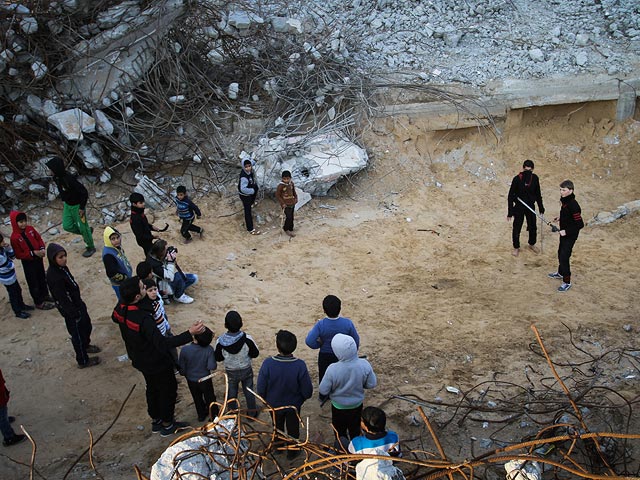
(72, 123)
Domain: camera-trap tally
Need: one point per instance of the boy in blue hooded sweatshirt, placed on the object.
(344, 384)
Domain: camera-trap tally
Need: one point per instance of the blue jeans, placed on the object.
(5, 426)
(244, 376)
(180, 283)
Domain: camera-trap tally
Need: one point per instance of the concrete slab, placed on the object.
(500, 97)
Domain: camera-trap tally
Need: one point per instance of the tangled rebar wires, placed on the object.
(180, 105)
(569, 442)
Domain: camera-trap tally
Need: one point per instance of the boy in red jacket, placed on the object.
(10, 437)
(28, 246)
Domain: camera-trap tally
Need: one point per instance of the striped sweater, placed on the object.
(7, 269)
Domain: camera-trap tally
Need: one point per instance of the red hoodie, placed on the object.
(20, 239)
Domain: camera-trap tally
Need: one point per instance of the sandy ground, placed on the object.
(417, 247)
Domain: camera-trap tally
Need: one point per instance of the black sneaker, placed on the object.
(45, 306)
(93, 349)
(172, 429)
(156, 426)
(92, 362)
(23, 315)
(17, 438)
(28, 308)
(88, 252)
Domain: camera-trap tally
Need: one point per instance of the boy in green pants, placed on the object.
(74, 196)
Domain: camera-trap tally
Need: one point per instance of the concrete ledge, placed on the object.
(498, 98)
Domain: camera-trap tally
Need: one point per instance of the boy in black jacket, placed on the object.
(149, 352)
(74, 197)
(66, 293)
(141, 227)
(525, 186)
(570, 224)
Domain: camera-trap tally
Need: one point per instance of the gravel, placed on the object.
(477, 41)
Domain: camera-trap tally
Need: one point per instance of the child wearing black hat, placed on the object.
(236, 349)
(526, 187)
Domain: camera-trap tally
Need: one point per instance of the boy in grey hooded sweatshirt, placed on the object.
(344, 383)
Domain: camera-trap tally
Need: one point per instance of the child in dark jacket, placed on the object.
(284, 380)
(28, 246)
(115, 261)
(236, 349)
(74, 197)
(142, 229)
(9, 279)
(66, 293)
(197, 360)
(187, 212)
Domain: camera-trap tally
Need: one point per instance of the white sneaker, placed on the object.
(184, 298)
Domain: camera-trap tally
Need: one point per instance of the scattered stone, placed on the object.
(72, 123)
(627, 328)
(582, 39)
(581, 59)
(536, 55)
(233, 91)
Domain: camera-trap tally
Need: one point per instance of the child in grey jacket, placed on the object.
(236, 349)
(344, 383)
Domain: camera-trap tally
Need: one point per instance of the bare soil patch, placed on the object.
(418, 249)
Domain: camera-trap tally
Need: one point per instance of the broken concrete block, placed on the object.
(103, 124)
(72, 123)
(303, 199)
(316, 162)
(154, 196)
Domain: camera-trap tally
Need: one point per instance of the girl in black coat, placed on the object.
(66, 293)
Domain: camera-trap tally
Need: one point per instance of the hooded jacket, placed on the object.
(116, 264)
(147, 348)
(345, 381)
(286, 194)
(63, 287)
(72, 192)
(24, 242)
(526, 186)
(141, 227)
(236, 350)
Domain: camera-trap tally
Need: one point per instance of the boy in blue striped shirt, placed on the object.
(187, 211)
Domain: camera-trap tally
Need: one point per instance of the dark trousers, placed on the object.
(36, 279)
(247, 201)
(324, 360)
(80, 330)
(288, 417)
(564, 254)
(15, 297)
(288, 218)
(162, 392)
(518, 220)
(188, 226)
(346, 421)
(146, 246)
(203, 396)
